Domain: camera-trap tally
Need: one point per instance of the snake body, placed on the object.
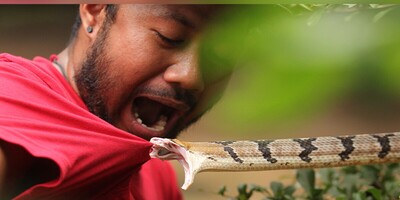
(254, 155)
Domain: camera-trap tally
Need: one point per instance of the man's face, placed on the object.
(142, 72)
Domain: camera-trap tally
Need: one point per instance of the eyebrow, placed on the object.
(180, 18)
(178, 15)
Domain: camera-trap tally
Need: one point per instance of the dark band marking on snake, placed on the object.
(308, 147)
(266, 152)
(233, 154)
(230, 150)
(384, 141)
(211, 158)
(348, 145)
(225, 143)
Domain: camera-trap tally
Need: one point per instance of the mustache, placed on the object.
(179, 94)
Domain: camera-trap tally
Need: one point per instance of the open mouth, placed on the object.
(151, 114)
(156, 115)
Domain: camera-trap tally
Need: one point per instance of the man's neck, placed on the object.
(65, 62)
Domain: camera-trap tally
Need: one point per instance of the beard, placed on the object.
(92, 80)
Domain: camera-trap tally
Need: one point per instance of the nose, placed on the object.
(186, 72)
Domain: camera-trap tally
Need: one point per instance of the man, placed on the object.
(76, 126)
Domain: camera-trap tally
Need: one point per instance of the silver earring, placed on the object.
(89, 29)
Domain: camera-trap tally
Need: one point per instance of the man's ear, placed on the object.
(92, 17)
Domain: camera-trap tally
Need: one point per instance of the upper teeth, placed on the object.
(158, 126)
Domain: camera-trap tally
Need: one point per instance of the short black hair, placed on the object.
(111, 11)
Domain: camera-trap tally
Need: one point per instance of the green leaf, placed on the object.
(317, 194)
(327, 175)
(377, 194)
(276, 188)
(222, 191)
(370, 173)
(335, 191)
(349, 170)
(391, 171)
(242, 189)
(306, 178)
(350, 183)
(257, 188)
(393, 166)
(359, 196)
(289, 190)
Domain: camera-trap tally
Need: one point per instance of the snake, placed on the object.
(276, 154)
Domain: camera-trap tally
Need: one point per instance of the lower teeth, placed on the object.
(158, 126)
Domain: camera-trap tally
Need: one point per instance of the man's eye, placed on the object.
(169, 41)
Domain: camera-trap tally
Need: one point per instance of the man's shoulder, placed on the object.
(6, 57)
(37, 77)
(39, 70)
(8, 60)
(11, 65)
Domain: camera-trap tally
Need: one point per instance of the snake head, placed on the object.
(167, 149)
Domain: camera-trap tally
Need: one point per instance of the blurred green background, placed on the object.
(293, 61)
(300, 70)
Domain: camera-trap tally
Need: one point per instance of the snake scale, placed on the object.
(254, 155)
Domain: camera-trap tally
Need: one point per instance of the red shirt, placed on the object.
(40, 112)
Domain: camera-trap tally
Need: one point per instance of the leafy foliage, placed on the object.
(378, 182)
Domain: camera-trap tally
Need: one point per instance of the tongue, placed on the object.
(149, 111)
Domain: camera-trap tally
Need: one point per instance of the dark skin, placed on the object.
(143, 69)
(150, 67)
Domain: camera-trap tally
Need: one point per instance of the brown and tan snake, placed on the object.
(254, 155)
